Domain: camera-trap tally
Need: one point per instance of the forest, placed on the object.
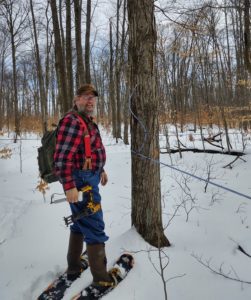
(48, 48)
(174, 112)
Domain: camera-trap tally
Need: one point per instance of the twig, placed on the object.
(3, 241)
(240, 208)
(207, 140)
(162, 265)
(220, 271)
(174, 214)
(174, 277)
(230, 164)
(243, 251)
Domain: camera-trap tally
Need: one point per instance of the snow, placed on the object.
(208, 225)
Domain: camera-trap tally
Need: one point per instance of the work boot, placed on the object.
(97, 263)
(73, 256)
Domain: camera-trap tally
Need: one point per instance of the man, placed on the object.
(72, 170)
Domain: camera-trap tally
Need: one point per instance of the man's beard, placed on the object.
(82, 109)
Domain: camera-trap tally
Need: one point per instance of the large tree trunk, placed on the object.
(80, 76)
(146, 190)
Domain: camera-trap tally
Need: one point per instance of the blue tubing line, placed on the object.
(194, 176)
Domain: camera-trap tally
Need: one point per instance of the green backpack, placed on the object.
(45, 156)
(46, 152)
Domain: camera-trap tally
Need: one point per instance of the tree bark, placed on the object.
(247, 37)
(126, 76)
(68, 53)
(61, 26)
(48, 66)
(87, 43)
(80, 76)
(111, 88)
(118, 73)
(146, 189)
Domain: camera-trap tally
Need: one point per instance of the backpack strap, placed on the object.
(87, 143)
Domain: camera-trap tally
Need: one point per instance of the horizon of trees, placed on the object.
(203, 69)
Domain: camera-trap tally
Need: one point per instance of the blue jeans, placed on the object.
(92, 227)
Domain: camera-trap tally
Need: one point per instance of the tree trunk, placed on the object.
(47, 58)
(39, 73)
(126, 75)
(146, 190)
(14, 74)
(87, 43)
(68, 50)
(111, 88)
(80, 76)
(247, 37)
(59, 60)
(61, 26)
(118, 74)
(2, 68)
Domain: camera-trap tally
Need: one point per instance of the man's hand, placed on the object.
(72, 195)
(103, 178)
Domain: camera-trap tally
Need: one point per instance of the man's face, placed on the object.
(86, 103)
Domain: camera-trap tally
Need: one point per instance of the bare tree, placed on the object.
(15, 16)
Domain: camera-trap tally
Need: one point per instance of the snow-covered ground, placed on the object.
(203, 227)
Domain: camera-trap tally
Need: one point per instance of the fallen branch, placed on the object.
(195, 150)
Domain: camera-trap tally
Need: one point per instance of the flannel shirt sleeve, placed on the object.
(68, 139)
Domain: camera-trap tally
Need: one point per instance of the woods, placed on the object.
(153, 63)
(202, 61)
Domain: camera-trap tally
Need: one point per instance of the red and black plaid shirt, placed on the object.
(70, 153)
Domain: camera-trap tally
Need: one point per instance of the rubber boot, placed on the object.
(73, 256)
(97, 263)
